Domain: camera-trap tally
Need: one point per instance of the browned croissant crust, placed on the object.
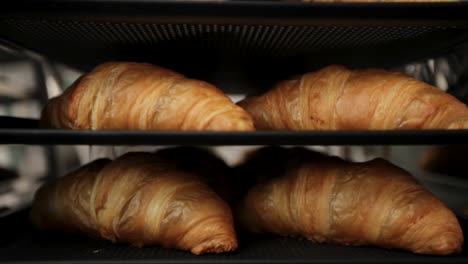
(139, 199)
(326, 199)
(127, 95)
(335, 98)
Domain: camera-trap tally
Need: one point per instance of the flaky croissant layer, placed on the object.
(141, 96)
(326, 199)
(140, 199)
(335, 98)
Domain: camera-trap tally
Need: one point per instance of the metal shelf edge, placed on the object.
(129, 137)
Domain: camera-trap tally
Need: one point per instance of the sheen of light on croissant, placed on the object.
(140, 199)
(326, 199)
(335, 98)
(141, 96)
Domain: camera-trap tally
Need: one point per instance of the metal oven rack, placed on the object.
(253, 42)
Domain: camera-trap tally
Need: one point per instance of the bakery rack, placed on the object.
(33, 136)
(21, 243)
(253, 42)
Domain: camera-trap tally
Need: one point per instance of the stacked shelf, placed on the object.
(255, 43)
(27, 131)
(167, 138)
(22, 243)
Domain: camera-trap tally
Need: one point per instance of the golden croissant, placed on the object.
(126, 95)
(335, 98)
(326, 199)
(140, 199)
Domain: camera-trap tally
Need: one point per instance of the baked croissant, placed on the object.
(126, 95)
(335, 98)
(326, 199)
(139, 199)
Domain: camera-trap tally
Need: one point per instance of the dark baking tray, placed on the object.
(21, 243)
(268, 40)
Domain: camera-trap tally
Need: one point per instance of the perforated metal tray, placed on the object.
(21, 243)
(266, 39)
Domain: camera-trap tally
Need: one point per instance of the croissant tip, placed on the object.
(444, 246)
(458, 125)
(215, 247)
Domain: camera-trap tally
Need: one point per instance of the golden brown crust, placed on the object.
(335, 98)
(128, 95)
(139, 199)
(326, 199)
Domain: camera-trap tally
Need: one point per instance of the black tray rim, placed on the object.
(231, 138)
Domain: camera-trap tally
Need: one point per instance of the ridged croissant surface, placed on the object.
(335, 98)
(325, 199)
(126, 95)
(139, 199)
